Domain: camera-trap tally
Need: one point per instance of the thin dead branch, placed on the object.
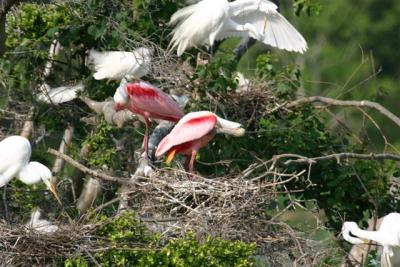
(84, 169)
(346, 103)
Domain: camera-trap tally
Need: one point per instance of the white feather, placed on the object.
(116, 65)
(15, 152)
(40, 225)
(387, 236)
(60, 94)
(210, 20)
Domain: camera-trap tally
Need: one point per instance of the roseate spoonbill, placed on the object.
(40, 225)
(194, 131)
(15, 152)
(147, 101)
(60, 94)
(209, 20)
(115, 65)
(388, 236)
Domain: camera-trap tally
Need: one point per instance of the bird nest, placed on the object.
(21, 246)
(234, 208)
(172, 205)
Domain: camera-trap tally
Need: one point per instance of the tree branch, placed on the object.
(66, 141)
(346, 103)
(338, 157)
(106, 108)
(85, 169)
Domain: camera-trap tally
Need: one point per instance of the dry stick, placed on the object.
(66, 141)
(77, 176)
(346, 103)
(89, 194)
(106, 108)
(338, 157)
(84, 169)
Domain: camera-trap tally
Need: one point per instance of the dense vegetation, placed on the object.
(346, 60)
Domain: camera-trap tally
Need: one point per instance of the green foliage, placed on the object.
(102, 147)
(218, 75)
(309, 7)
(131, 245)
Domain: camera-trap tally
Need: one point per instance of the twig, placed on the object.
(85, 169)
(346, 103)
(106, 108)
(338, 157)
(66, 140)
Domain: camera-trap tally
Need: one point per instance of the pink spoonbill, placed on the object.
(193, 132)
(147, 101)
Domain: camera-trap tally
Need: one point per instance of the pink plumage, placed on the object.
(149, 102)
(191, 133)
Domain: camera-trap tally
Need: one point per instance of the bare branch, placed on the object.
(106, 108)
(85, 169)
(346, 103)
(89, 194)
(338, 157)
(66, 140)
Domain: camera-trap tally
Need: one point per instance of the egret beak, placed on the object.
(52, 187)
(366, 241)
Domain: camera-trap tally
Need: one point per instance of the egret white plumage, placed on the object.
(115, 65)
(60, 94)
(40, 225)
(209, 20)
(388, 236)
(15, 152)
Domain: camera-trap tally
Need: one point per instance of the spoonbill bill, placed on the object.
(209, 20)
(115, 65)
(147, 101)
(15, 152)
(193, 132)
(387, 236)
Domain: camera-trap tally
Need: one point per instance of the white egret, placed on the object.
(15, 152)
(116, 65)
(209, 20)
(388, 236)
(40, 225)
(60, 94)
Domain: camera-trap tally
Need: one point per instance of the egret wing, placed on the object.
(191, 127)
(15, 152)
(274, 28)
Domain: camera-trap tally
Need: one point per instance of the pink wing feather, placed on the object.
(191, 127)
(148, 98)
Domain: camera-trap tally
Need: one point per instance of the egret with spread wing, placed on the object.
(388, 236)
(15, 152)
(194, 131)
(115, 65)
(147, 101)
(209, 20)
